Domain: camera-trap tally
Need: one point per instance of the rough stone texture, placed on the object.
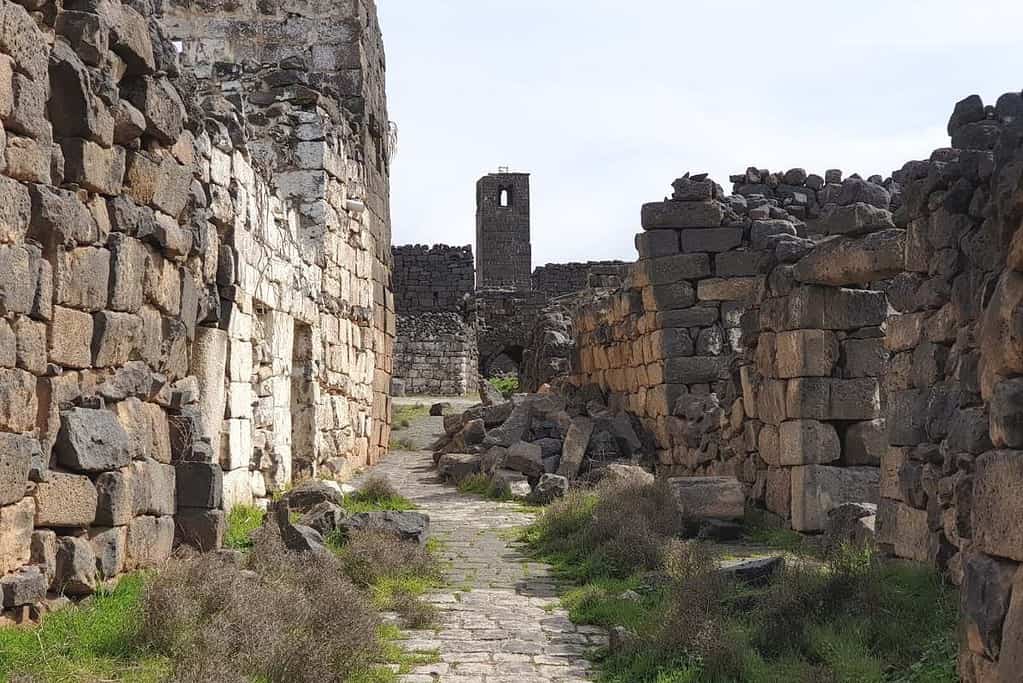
(708, 497)
(16, 522)
(816, 490)
(65, 500)
(91, 441)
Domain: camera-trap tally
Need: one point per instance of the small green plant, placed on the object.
(242, 521)
(401, 444)
(506, 384)
(377, 494)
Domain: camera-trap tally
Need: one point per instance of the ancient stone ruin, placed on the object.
(195, 302)
(451, 332)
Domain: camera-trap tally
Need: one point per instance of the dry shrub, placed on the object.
(630, 525)
(377, 488)
(287, 617)
(369, 556)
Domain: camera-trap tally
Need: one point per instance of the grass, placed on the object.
(506, 384)
(401, 444)
(377, 494)
(402, 416)
(482, 485)
(97, 641)
(242, 521)
(850, 616)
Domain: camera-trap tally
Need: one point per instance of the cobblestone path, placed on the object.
(499, 619)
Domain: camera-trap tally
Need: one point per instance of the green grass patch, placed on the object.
(401, 444)
(242, 521)
(98, 641)
(355, 503)
(506, 384)
(403, 416)
(850, 616)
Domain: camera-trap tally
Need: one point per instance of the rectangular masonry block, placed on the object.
(710, 240)
(818, 489)
(808, 442)
(730, 289)
(679, 215)
(805, 353)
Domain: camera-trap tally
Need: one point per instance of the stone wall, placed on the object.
(558, 279)
(161, 274)
(952, 475)
(436, 355)
(309, 316)
(432, 279)
(505, 318)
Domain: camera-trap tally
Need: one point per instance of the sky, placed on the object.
(605, 102)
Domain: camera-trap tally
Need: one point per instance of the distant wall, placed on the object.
(558, 279)
(432, 279)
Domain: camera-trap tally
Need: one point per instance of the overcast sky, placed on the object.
(605, 102)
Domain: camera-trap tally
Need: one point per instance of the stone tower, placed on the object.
(503, 251)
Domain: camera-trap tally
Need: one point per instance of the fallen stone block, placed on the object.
(27, 586)
(511, 484)
(310, 493)
(548, 489)
(526, 458)
(851, 524)
(573, 450)
(455, 467)
(325, 517)
(407, 526)
(756, 572)
(708, 497)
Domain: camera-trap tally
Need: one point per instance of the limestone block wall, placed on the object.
(188, 315)
(306, 272)
(436, 355)
(559, 279)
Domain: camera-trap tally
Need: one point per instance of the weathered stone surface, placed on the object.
(756, 572)
(69, 329)
(678, 215)
(549, 488)
(1010, 660)
(455, 467)
(512, 429)
(987, 584)
(805, 353)
(856, 218)
(712, 240)
(201, 529)
(91, 441)
(510, 483)
(808, 442)
(526, 458)
(153, 488)
(695, 369)
(842, 261)
(150, 542)
(15, 210)
(864, 443)
(65, 500)
(130, 40)
(852, 524)
(325, 517)
(127, 269)
(817, 489)
(201, 485)
(95, 168)
(160, 103)
(110, 546)
(708, 497)
(997, 505)
(18, 402)
(115, 503)
(730, 289)
(76, 566)
(671, 269)
(16, 453)
(27, 586)
(310, 493)
(44, 552)
(115, 336)
(16, 534)
(407, 526)
(627, 475)
(1006, 414)
(830, 308)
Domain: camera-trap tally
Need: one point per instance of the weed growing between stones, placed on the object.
(377, 494)
(506, 384)
(242, 522)
(851, 616)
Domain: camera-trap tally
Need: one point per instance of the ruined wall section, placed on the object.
(109, 267)
(505, 318)
(304, 89)
(308, 263)
(436, 354)
(432, 279)
(559, 279)
(436, 350)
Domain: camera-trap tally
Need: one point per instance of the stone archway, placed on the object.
(507, 361)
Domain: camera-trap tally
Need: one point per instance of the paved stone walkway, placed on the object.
(498, 617)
